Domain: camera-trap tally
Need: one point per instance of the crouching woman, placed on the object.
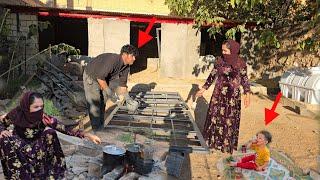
(31, 150)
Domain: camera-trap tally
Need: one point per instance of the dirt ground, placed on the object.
(293, 134)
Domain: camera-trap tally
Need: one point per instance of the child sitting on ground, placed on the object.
(260, 160)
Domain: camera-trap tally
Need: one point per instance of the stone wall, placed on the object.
(22, 45)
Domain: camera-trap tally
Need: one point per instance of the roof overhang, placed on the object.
(71, 13)
(84, 14)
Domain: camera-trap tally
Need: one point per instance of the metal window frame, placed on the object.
(154, 112)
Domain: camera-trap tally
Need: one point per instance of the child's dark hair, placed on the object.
(129, 49)
(267, 135)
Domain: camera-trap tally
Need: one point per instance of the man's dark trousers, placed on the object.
(95, 101)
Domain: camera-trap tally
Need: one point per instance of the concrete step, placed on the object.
(302, 108)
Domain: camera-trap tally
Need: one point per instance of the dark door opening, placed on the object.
(70, 31)
(212, 46)
(149, 50)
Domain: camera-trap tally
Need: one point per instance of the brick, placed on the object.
(33, 18)
(77, 161)
(29, 23)
(32, 47)
(30, 52)
(13, 27)
(12, 16)
(9, 21)
(129, 176)
(79, 170)
(95, 167)
(14, 33)
(14, 21)
(69, 149)
(82, 177)
(23, 17)
(89, 151)
(24, 29)
(9, 18)
(114, 174)
(23, 23)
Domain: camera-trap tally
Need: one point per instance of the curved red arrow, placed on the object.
(144, 37)
(270, 115)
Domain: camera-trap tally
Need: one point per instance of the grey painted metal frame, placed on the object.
(164, 112)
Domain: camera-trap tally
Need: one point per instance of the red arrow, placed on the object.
(144, 37)
(270, 115)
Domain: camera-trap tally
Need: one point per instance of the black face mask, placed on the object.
(35, 117)
(228, 57)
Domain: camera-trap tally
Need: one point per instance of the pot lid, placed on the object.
(135, 147)
(113, 150)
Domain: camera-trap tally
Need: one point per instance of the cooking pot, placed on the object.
(113, 156)
(144, 166)
(133, 152)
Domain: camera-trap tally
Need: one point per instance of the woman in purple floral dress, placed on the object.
(221, 129)
(29, 146)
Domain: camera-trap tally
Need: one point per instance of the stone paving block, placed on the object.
(82, 177)
(88, 151)
(130, 176)
(95, 167)
(78, 161)
(114, 174)
(69, 150)
(79, 170)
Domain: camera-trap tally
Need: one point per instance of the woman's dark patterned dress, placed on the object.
(33, 153)
(221, 128)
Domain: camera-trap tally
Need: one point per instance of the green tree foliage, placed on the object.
(50, 108)
(268, 15)
(65, 48)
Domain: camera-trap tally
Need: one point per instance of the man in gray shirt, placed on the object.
(97, 76)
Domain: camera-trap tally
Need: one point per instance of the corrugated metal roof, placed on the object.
(32, 3)
(54, 11)
(106, 6)
(29, 7)
(36, 5)
(13, 2)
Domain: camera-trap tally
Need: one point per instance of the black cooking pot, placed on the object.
(134, 151)
(144, 166)
(113, 156)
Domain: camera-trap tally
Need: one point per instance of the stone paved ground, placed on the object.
(294, 135)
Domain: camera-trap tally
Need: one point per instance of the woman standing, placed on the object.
(221, 129)
(30, 150)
